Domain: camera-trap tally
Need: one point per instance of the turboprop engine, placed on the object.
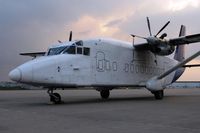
(155, 44)
(160, 46)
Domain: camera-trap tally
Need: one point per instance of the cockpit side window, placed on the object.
(79, 50)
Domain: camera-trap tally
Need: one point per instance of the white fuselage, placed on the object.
(111, 63)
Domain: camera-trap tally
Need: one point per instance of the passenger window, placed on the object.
(86, 51)
(79, 50)
(70, 50)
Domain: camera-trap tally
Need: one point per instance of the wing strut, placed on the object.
(181, 64)
(195, 65)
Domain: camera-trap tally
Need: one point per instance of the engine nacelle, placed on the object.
(160, 46)
(155, 84)
(162, 49)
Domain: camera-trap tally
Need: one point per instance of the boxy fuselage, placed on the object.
(93, 63)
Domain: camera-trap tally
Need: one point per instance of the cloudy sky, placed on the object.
(33, 25)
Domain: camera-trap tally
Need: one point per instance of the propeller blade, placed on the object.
(163, 28)
(70, 36)
(149, 26)
(59, 41)
(138, 36)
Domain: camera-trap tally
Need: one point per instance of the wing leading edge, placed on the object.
(185, 40)
(174, 42)
(35, 54)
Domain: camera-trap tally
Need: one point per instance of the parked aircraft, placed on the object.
(107, 64)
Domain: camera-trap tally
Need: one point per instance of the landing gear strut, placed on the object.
(54, 97)
(105, 94)
(158, 94)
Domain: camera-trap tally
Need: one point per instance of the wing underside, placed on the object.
(35, 54)
(185, 40)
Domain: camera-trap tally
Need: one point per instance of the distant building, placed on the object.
(185, 84)
(15, 86)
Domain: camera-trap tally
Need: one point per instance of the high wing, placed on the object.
(174, 42)
(35, 54)
(185, 40)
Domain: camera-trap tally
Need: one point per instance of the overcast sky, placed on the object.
(33, 25)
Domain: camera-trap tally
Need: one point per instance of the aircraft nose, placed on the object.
(15, 75)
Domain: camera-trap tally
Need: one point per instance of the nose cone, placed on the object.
(15, 75)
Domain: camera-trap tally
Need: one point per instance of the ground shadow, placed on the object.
(85, 101)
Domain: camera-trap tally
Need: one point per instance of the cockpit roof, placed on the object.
(67, 43)
(65, 47)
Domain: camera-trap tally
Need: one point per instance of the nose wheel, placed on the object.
(105, 94)
(54, 97)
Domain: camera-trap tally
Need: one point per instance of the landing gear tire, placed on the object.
(158, 94)
(55, 97)
(105, 94)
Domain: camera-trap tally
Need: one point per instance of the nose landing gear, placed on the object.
(54, 97)
(105, 94)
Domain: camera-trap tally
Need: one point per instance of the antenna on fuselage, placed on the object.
(133, 40)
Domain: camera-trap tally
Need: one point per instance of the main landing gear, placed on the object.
(54, 97)
(158, 94)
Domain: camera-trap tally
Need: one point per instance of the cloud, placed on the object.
(114, 23)
(91, 27)
(177, 5)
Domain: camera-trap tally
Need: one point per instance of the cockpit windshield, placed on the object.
(74, 48)
(56, 51)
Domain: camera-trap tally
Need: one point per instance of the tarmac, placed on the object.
(83, 111)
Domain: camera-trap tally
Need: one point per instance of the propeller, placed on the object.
(149, 26)
(152, 40)
(162, 28)
(70, 36)
(138, 36)
(150, 33)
